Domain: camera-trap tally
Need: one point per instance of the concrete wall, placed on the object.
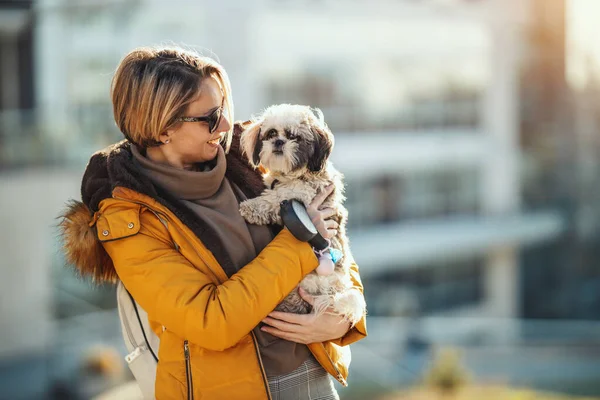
(30, 200)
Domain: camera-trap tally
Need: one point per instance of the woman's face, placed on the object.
(191, 142)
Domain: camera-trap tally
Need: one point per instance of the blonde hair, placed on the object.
(152, 88)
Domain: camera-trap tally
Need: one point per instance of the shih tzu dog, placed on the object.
(292, 144)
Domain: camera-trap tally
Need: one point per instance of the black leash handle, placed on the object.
(296, 219)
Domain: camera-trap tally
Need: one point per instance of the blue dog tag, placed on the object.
(336, 255)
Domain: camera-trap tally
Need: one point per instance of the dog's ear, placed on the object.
(251, 143)
(257, 150)
(322, 146)
(318, 115)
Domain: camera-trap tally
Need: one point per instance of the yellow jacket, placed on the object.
(123, 230)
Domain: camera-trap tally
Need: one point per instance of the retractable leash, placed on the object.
(296, 220)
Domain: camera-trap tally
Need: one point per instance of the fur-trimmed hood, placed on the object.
(115, 167)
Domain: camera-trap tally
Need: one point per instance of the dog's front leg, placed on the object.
(261, 210)
(253, 211)
(298, 191)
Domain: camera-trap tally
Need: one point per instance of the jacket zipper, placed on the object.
(188, 370)
(339, 376)
(262, 367)
(185, 343)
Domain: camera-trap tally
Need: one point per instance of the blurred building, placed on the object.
(16, 48)
(427, 129)
(450, 116)
(17, 85)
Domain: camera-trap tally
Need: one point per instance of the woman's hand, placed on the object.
(319, 217)
(306, 328)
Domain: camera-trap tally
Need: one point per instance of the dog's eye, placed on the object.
(271, 133)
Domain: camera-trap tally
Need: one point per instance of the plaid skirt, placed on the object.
(308, 382)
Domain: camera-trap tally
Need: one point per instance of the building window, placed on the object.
(381, 98)
(392, 198)
(426, 289)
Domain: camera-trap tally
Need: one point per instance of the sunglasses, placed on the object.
(213, 119)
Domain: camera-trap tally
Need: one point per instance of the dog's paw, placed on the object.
(351, 304)
(254, 212)
(248, 213)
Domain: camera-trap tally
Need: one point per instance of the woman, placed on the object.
(159, 211)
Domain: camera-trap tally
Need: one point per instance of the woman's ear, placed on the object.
(251, 144)
(322, 146)
(165, 137)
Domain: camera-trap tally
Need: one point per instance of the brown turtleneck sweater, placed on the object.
(209, 194)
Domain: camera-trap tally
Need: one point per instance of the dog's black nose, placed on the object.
(278, 143)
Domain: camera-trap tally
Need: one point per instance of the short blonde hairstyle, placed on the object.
(152, 88)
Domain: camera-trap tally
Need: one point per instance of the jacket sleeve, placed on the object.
(187, 301)
(359, 330)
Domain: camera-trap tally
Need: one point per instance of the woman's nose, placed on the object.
(224, 124)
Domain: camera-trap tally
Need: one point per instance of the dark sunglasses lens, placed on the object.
(214, 120)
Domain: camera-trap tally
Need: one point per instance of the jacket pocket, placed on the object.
(188, 370)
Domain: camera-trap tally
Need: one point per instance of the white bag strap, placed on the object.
(140, 341)
(138, 311)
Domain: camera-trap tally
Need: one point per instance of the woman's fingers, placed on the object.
(327, 212)
(292, 337)
(320, 217)
(282, 325)
(331, 224)
(330, 233)
(326, 228)
(320, 197)
(298, 319)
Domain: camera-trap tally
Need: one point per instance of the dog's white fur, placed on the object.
(300, 170)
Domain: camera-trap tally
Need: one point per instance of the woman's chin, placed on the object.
(212, 152)
(212, 149)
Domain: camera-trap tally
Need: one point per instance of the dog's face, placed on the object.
(288, 138)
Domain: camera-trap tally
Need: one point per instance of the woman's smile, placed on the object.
(215, 142)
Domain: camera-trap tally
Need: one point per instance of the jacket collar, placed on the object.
(116, 167)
